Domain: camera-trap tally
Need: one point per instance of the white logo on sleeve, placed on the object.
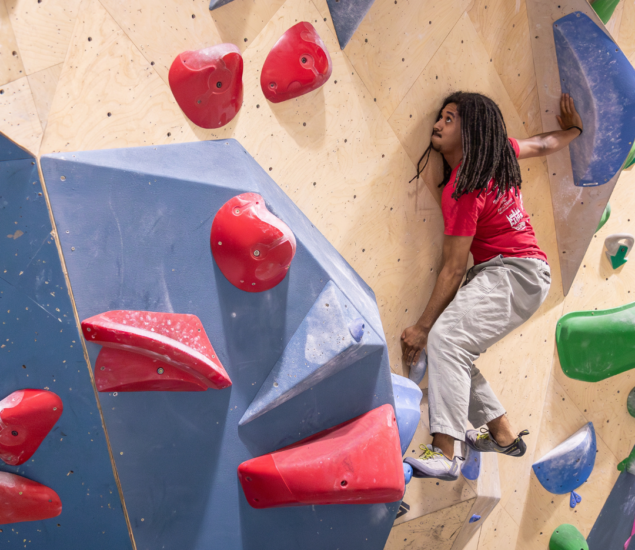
(515, 219)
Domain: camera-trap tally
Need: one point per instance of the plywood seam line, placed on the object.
(87, 359)
(39, 146)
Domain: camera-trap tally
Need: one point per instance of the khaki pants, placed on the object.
(498, 296)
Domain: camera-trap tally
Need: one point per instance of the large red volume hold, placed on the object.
(357, 462)
(208, 84)
(252, 247)
(26, 418)
(24, 500)
(297, 64)
(173, 338)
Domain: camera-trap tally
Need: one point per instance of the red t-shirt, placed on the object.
(498, 225)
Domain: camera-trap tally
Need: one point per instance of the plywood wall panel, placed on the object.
(162, 30)
(43, 30)
(43, 85)
(499, 532)
(626, 36)
(503, 28)
(18, 115)
(394, 43)
(108, 94)
(11, 67)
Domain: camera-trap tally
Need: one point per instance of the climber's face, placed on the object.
(446, 133)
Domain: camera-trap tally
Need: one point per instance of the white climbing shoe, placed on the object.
(433, 463)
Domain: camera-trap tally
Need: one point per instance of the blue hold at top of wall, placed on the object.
(601, 81)
(41, 349)
(135, 229)
(347, 16)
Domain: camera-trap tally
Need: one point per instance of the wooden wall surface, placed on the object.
(92, 74)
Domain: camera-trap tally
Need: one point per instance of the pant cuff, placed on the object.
(489, 417)
(460, 435)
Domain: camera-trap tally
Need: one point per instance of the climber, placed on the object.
(483, 213)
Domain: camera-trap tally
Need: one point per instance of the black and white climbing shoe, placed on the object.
(483, 442)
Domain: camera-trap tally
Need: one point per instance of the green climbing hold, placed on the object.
(595, 345)
(605, 216)
(630, 159)
(605, 9)
(628, 463)
(630, 403)
(567, 537)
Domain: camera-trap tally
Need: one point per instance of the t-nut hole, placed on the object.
(236, 210)
(14, 433)
(63, 178)
(160, 370)
(344, 483)
(304, 60)
(272, 84)
(248, 478)
(219, 84)
(256, 253)
(275, 384)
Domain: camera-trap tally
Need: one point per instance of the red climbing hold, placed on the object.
(177, 342)
(357, 462)
(297, 64)
(26, 418)
(252, 247)
(24, 500)
(208, 84)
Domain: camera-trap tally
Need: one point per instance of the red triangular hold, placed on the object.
(120, 370)
(357, 462)
(24, 500)
(26, 417)
(174, 338)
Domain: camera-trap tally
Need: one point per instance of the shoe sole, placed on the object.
(522, 449)
(418, 473)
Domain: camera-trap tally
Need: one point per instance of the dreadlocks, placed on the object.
(487, 152)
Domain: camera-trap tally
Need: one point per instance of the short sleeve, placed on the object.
(461, 216)
(515, 146)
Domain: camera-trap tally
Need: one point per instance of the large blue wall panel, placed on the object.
(601, 81)
(135, 227)
(40, 348)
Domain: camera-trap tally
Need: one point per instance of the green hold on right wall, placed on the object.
(567, 537)
(605, 9)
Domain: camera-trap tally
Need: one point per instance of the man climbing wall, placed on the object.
(483, 213)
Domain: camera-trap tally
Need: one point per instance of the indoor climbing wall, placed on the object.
(83, 77)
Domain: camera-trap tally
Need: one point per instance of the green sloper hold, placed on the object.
(605, 9)
(567, 537)
(628, 463)
(605, 216)
(595, 345)
(630, 403)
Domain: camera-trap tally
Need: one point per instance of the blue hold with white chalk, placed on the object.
(407, 397)
(407, 472)
(347, 16)
(601, 80)
(569, 465)
(471, 469)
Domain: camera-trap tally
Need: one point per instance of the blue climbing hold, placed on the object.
(418, 370)
(213, 4)
(570, 464)
(475, 518)
(471, 469)
(320, 347)
(347, 16)
(407, 408)
(407, 472)
(575, 499)
(602, 82)
(356, 328)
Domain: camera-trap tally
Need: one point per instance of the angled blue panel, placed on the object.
(325, 343)
(347, 15)
(407, 397)
(11, 151)
(601, 81)
(570, 464)
(134, 226)
(41, 349)
(213, 4)
(471, 469)
(614, 525)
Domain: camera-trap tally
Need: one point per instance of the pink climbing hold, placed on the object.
(22, 499)
(208, 84)
(357, 462)
(26, 418)
(297, 64)
(252, 247)
(165, 343)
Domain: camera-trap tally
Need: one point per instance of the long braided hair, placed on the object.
(487, 152)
